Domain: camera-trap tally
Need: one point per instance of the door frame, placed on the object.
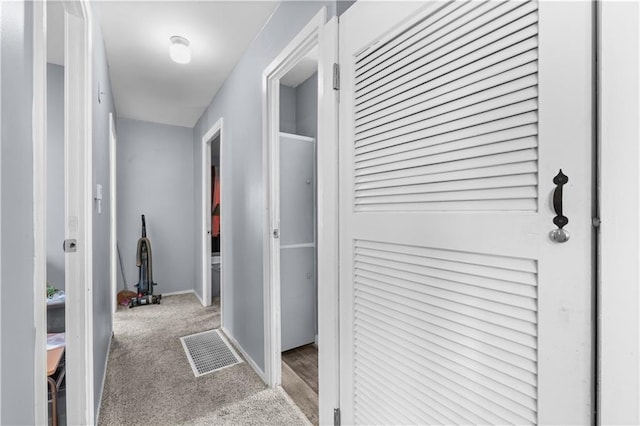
(78, 205)
(618, 297)
(216, 130)
(113, 215)
(318, 32)
(79, 210)
(39, 127)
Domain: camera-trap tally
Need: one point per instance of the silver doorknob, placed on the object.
(559, 235)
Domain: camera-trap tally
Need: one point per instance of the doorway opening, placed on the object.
(301, 274)
(215, 220)
(298, 233)
(213, 252)
(54, 215)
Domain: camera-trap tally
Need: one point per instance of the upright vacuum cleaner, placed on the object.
(145, 273)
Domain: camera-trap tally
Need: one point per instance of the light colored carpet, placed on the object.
(150, 382)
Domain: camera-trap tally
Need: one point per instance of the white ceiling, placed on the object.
(146, 84)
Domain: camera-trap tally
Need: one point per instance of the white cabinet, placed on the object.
(298, 289)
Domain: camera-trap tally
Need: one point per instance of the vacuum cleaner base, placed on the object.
(150, 299)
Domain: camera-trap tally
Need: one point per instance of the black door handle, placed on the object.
(560, 180)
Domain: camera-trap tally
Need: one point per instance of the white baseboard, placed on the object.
(104, 378)
(198, 297)
(245, 355)
(175, 293)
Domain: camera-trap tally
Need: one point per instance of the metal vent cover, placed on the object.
(209, 351)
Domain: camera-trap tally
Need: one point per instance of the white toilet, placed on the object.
(215, 275)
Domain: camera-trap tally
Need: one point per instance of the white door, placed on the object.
(78, 215)
(456, 306)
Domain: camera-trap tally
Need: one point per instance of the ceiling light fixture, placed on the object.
(179, 50)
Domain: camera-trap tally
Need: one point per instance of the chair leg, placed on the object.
(54, 401)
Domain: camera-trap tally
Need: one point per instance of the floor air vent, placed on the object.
(208, 352)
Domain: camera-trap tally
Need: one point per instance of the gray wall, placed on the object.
(155, 178)
(307, 107)
(343, 5)
(287, 109)
(101, 224)
(239, 102)
(299, 108)
(17, 333)
(55, 175)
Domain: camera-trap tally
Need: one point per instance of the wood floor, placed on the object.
(300, 379)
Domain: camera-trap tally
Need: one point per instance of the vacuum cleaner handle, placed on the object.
(144, 227)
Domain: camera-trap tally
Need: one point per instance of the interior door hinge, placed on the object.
(336, 77)
(336, 417)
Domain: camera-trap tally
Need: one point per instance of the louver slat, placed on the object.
(499, 279)
(490, 407)
(433, 415)
(458, 164)
(432, 344)
(520, 41)
(508, 94)
(446, 107)
(423, 149)
(470, 350)
(481, 172)
(514, 264)
(517, 78)
(426, 87)
(441, 26)
(511, 324)
(479, 128)
(456, 333)
(436, 21)
(439, 53)
(438, 158)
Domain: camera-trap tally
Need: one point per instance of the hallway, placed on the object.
(149, 379)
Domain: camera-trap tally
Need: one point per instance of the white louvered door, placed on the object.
(456, 307)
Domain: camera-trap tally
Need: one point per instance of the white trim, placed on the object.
(324, 35)
(285, 61)
(295, 246)
(36, 372)
(619, 233)
(205, 230)
(244, 354)
(79, 212)
(39, 128)
(226, 252)
(113, 214)
(197, 297)
(297, 137)
(176, 293)
(327, 240)
(104, 375)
